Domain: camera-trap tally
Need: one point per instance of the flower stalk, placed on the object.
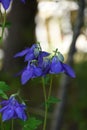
(45, 99)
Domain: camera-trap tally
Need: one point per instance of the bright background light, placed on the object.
(53, 26)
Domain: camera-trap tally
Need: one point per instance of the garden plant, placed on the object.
(38, 63)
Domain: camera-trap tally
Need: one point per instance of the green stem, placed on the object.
(45, 98)
(45, 117)
(50, 88)
(3, 25)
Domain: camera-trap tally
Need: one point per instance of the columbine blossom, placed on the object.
(33, 50)
(45, 66)
(33, 53)
(34, 69)
(6, 3)
(11, 108)
(34, 56)
(59, 67)
(41, 63)
(31, 71)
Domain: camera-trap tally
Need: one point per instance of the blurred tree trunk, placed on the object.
(22, 31)
(65, 80)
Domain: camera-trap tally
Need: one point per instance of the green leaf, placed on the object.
(4, 86)
(53, 100)
(3, 95)
(31, 124)
(7, 24)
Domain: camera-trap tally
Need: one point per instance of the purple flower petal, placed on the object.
(22, 53)
(3, 108)
(5, 3)
(4, 102)
(41, 55)
(20, 113)
(56, 68)
(37, 71)
(26, 75)
(29, 56)
(13, 109)
(69, 71)
(7, 114)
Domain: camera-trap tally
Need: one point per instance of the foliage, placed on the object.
(31, 124)
(3, 88)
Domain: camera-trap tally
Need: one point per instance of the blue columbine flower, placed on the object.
(45, 66)
(40, 63)
(33, 53)
(42, 55)
(11, 108)
(29, 53)
(35, 67)
(31, 71)
(59, 67)
(6, 3)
